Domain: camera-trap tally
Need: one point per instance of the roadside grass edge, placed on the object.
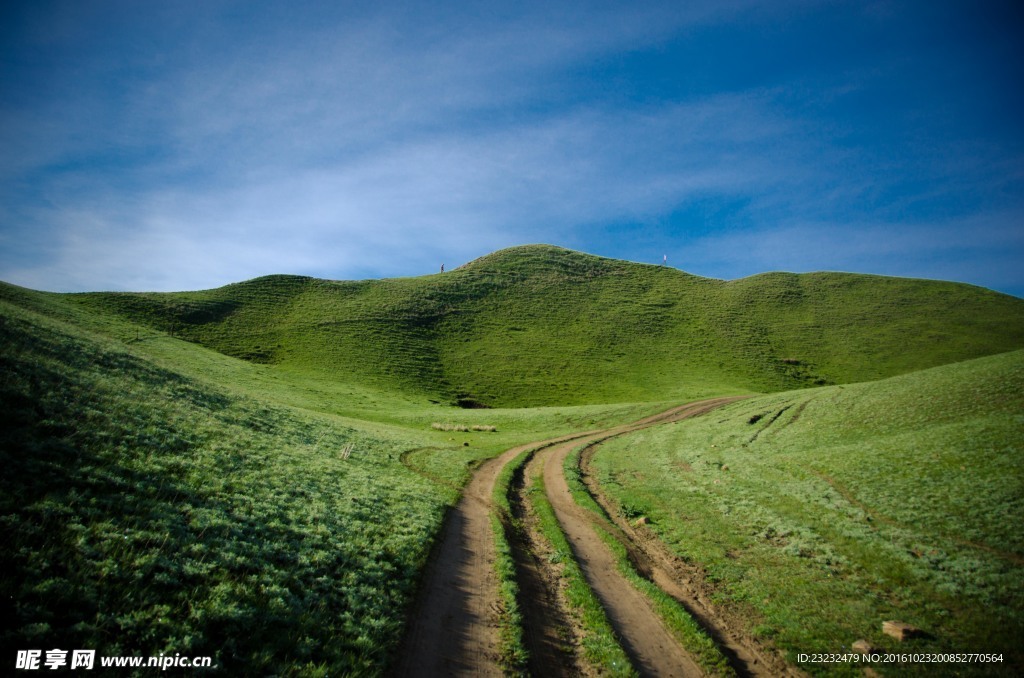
(601, 646)
(513, 652)
(675, 617)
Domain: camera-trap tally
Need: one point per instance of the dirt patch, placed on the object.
(551, 636)
(651, 647)
(454, 626)
(687, 584)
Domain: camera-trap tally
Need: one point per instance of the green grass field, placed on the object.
(160, 497)
(540, 325)
(147, 512)
(821, 513)
(254, 472)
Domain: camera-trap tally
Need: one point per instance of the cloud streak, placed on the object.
(202, 146)
(440, 197)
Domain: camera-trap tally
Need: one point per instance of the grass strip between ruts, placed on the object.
(512, 651)
(675, 617)
(601, 646)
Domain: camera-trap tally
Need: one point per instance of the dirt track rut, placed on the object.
(644, 637)
(454, 629)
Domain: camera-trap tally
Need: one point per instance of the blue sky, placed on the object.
(185, 145)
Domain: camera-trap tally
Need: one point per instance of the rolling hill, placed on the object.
(539, 325)
(893, 499)
(162, 498)
(192, 472)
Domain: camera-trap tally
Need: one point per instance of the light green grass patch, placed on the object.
(675, 617)
(899, 499)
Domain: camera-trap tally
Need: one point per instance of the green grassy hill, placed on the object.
(252, 472)
(159, 497)
(540, 325)
(145, 511)
(899, 499)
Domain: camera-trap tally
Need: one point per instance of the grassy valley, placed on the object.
(258, 472)
(160, 497)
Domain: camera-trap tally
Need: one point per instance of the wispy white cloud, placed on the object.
(235, 140)
(442, 197)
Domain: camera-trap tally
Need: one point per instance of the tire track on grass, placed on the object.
(683, 582)
(653, 649)
(454, 627)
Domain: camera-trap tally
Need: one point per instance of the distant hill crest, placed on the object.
(544, 325)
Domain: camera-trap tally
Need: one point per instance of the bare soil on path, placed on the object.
(552, 639)
(454, 627)
(650, 645)
(680, 580)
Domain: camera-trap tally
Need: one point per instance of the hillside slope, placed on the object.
(159, 497)
(166, 496)
(895, 499)
(147, 512)
(540, 325)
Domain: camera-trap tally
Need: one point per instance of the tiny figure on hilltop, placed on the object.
(442, 268)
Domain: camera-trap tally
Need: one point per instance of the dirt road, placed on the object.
(650, 645)
(454, 630)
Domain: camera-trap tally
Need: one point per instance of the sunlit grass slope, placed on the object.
(824, 512)
(540, 325)
(252, 472)
(145, 512)
(159, 497)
